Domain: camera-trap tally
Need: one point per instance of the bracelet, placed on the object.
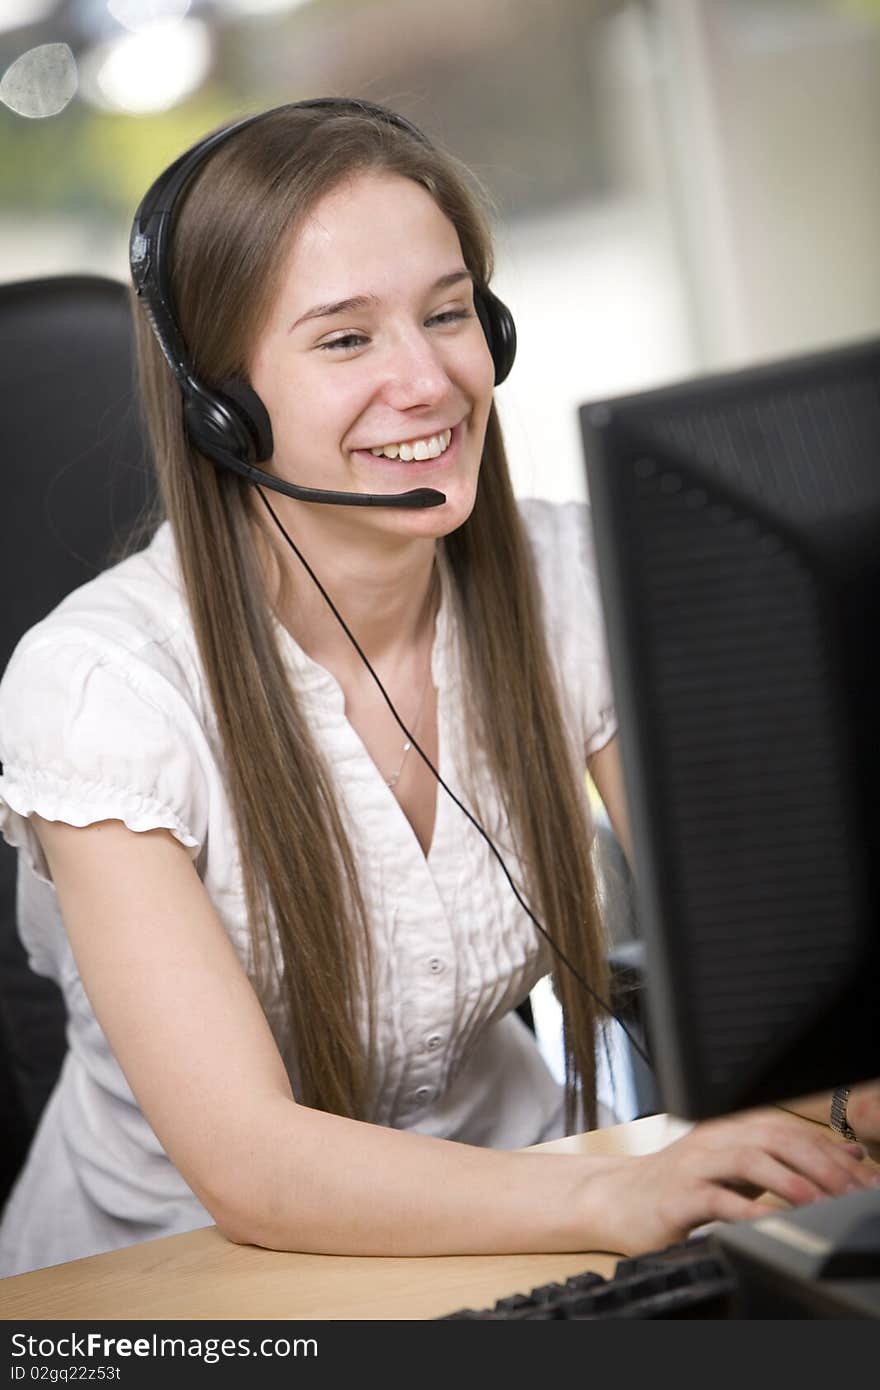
(839, 1122)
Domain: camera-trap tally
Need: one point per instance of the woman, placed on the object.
(291, 963)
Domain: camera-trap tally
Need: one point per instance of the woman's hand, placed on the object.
(719, 1171)
(863, 1116)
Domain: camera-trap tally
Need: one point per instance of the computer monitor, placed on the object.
(737, 524)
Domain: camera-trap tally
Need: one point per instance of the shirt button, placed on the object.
(423, 1092)
(435, 965)
(433, 1042)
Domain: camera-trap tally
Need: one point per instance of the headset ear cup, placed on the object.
(253, 415)
(223, 427)
(213, 426)
(500, 331)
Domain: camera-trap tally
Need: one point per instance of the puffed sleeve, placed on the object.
(561, 536)
(92, 731)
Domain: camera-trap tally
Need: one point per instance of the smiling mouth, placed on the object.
(431, 446)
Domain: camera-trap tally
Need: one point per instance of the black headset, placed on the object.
(229, 424)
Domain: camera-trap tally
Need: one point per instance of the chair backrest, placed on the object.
(76, 479)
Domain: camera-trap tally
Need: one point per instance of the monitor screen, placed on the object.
(737, 523)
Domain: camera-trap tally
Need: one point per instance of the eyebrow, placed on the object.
(365, 301)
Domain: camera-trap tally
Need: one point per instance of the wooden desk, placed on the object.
(201, 1275)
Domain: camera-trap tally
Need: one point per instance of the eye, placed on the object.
(347, 342)
(450, 316)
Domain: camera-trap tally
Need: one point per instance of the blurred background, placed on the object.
(680, 185)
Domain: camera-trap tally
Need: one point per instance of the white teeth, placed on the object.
(430, 448)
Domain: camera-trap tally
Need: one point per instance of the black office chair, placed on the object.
(77, 481)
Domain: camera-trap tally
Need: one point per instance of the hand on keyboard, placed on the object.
(717, 1172)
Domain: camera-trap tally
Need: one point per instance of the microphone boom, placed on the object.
(416, 498)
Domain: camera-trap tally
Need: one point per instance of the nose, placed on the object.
(415, 372)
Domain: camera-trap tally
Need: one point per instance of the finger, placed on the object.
(832, 1166)
(756, 1171)
(725, 1204)
(822, 1157)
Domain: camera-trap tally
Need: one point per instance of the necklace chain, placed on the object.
(395, 776)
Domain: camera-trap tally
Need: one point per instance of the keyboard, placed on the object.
(688, 1280)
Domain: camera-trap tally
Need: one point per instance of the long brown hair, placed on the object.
(233, 227)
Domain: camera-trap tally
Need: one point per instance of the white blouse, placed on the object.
(104, 714)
